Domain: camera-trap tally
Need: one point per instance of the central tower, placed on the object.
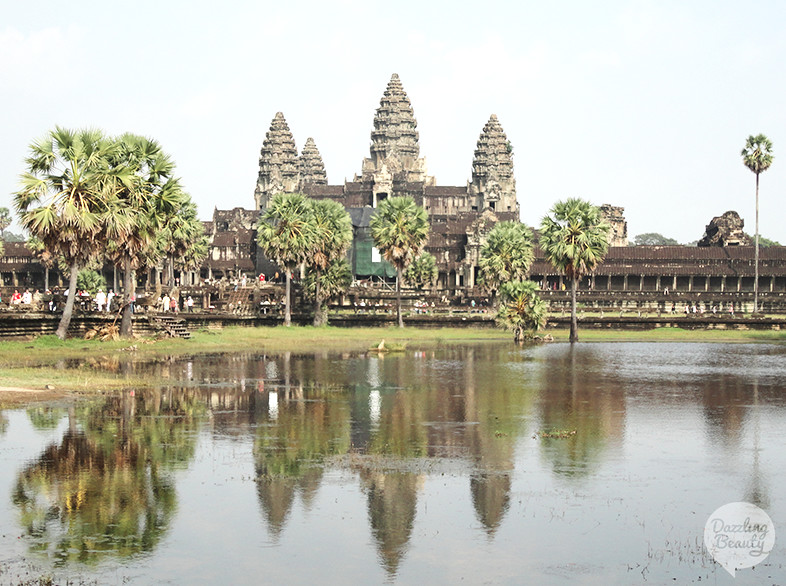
(395, 153)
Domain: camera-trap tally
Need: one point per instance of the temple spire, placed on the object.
(493, 184)
(278, 163)
(394, 140)
(312, 169)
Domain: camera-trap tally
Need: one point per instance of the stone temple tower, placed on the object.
(310, 166)
(493, 185)
(395, 152)
(278, 163)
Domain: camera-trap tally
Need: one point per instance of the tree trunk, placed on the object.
(399, 275)
(756, 254)
(287, 307)
(68, 310)
(574, 322)
(126, 324)
(318, 317)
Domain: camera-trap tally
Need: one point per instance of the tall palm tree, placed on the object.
(332, 237)
(64, 197)
(757, 156)
(285, 235)
(146, 194)
(506, 255)
(575, 239)
(400, 231)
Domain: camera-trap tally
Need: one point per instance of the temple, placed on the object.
(460, 219)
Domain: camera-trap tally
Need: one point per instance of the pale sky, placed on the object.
(640, 104)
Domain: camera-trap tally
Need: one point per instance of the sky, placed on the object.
(636, 103)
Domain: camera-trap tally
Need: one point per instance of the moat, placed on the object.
(475, 463)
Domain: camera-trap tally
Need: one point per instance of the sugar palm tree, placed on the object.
(400, 231)
(574, 239)
(506, 255)
(146, 195)
(332, 237)
(523, 311)
(757, 156)
(63, 199)
(285, 235)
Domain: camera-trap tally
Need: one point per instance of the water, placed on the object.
(427, 466)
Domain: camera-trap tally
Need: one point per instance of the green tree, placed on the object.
(332, 237)
(653, 239)
(423, 271)
(400, 231)
(333, 281)
(183, 239)
(285, 235)
(757, 156)
(90, 280)
(574, 239)
(5, 221)
(146, 195)
(522, 311)
(506, 255)
(63, 199)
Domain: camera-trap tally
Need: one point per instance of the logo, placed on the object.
(739, 536)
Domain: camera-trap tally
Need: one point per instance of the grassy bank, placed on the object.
(47, 350)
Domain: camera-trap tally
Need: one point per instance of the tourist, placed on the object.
(109, 297)
(173, 304)
(27, 297)
(100, 300)
(190, 304)
(37, 299)
(666, 291)
(165, 303)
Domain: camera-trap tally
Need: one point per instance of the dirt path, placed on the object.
(16, 396)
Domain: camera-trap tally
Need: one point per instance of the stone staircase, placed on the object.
(174, 326)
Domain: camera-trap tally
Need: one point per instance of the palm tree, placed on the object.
(574, 239)
(64, 199)
(5, 221)
(285, 235)
(757, 156)
(523, 310)
(506, 255)
(332, 237)
(146, 194)
(400, 231)
(423, 271)
(332, 281)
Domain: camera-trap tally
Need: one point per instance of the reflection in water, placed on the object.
(104, 487)
(572, 400)
(391, 424)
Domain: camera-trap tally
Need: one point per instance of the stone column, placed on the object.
(625, 282)
(690, 283)
(674, 283)
(723, 283)
(641, 282)
(657, 283)
(707, 283)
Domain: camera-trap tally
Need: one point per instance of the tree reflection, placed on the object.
(104, 488)
(592, 406)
